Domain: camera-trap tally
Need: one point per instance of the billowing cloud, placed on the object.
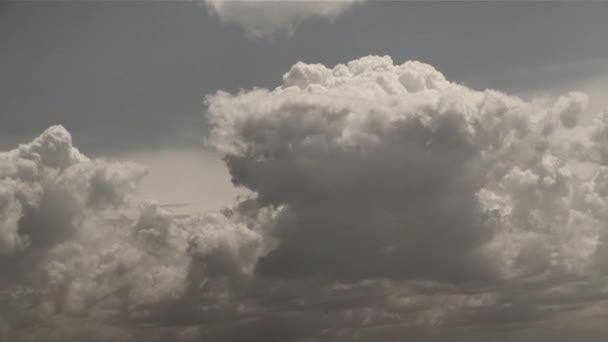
(47, 186)
(263, 18)
(477, 211)
(72, 244)
(388, 203)
(384, 170)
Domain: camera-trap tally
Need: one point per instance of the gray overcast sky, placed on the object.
(131, 76)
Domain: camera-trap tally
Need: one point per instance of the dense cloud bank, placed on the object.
(72, 246)
(388, 204)
(265, 18)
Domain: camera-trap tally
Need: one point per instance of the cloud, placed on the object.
(423, 208)
(409, 206)
(388, 203)
(384, 170)
(71, 244)
(47, 185)
(263, 18)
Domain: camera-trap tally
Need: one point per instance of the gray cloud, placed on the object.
(69, 247)
(412, 176)
(389, 203)
(83, 260)
(47, 186)
(492, 204)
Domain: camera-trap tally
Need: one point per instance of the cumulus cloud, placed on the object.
(71, 244)
(384, 170)
(388, 203)
(263, 18)
(478, 210)
(47, 185)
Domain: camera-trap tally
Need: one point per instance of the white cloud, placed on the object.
(413, 176)
(72, 244)
(473, 210)
(263, 18)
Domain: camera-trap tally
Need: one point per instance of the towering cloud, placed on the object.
(478, 209)
(263, 18)
(388, 204)
(383, 170)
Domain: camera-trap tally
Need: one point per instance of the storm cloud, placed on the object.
(204, 185)
(386, 203)
(384, 170)
(377, 170)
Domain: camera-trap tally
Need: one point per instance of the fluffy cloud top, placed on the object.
(47, 185)
(384, 170)
(263, 18)
(475, 212)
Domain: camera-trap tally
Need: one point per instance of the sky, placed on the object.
(303, 170)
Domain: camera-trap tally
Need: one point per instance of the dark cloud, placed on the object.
(382, 170)
(388, 203)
